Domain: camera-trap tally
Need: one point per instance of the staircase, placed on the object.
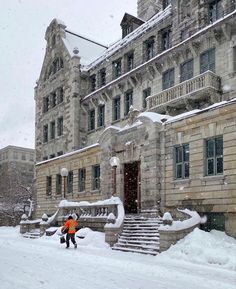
(33, 234)
(139, 235)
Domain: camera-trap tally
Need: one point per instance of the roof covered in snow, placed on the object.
(89, 50)
(155, 20)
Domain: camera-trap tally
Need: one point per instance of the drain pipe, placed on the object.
(163, 164)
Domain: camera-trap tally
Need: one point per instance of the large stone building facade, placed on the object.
(161, 99)
(17, 182)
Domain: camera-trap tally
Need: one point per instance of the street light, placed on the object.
(64, 174)
(114, 162)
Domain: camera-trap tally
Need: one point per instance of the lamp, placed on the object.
(114, 162)
(64, 174)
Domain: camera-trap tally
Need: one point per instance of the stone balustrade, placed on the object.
(196, 84)
(91, 215)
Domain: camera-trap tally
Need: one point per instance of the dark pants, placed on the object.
(68, 238)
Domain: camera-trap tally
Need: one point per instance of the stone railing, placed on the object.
(205, 80)
(104, 216)
(172, 231)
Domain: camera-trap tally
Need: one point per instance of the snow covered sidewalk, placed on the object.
(202, 260)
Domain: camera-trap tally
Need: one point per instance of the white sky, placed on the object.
(23, 25)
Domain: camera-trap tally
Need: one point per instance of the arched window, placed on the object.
(56, 65)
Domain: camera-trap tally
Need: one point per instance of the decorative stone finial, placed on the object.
(76, 50)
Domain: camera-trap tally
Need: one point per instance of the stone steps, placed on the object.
(139, 235)
(32, 234)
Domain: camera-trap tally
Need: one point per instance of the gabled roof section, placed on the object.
(130, 18)
(155, 20)
(89, 50)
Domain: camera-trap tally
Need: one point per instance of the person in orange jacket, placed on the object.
(70, 225)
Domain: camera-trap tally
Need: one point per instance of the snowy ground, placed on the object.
(202, 260)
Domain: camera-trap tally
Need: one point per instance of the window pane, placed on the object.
(210, 166)
(186, 153)
(210, 148)
(219, 165)
(186, 170)
(186, 70)
(179, 171)
(179, 155)
(219, 146)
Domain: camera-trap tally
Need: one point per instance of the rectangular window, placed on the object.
(58, 184)
(45, 133)
(186, 70)
(93, 82)
(60, 126)
(168, 78)
(116, 108)
(96, 177)
(53, 99)
(117, 68)
(45, 104)
(49, 185)
(60, 153)
(215, 10)
(149, 48)
(128, 101)
(146, 93)
(70, 182)
(207, 60)
(102, 74)
(181, 161)
(23, 157)
(214, 156)
(129, 61)
(52, 156)
(166, 39)
(127, 29)
(101, 115)
(31, 157)
(52, 129)
(82, 179)
(60, 95)
(91, 120)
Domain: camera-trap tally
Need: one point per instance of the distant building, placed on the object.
(16, 182)
(162, 99)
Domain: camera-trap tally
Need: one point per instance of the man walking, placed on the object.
(70, 225)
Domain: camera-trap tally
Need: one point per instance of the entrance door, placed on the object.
(132, 187)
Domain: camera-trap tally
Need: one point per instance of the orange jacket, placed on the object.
(71, 225)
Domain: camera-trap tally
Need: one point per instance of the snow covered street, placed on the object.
(45, 263)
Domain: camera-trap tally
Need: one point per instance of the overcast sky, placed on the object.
(22, 28)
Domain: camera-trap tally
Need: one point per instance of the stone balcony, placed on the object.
(188, 93)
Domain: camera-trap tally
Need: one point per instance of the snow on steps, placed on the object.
(34, 234)
(139, 235)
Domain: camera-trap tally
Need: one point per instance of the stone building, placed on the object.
(17, 176)
(161, 99)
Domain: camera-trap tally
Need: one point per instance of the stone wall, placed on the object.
(81, 159)
(168, 238)
(201, 192)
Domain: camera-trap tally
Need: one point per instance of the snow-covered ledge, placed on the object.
(172, 231)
